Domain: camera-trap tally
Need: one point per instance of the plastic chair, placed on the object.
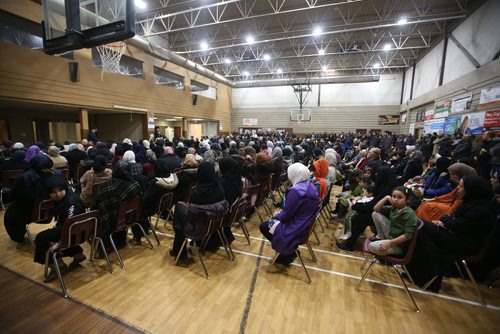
(394, 261)
(165, 204)
(203, 226)
(8, 177)
(129, 213)
(237, 212)
(42, 214)
(77, 230)
(310, 230)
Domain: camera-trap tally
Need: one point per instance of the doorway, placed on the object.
(196, 130)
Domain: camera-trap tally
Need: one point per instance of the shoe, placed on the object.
(346, 236)
(77, 259)
(135, 241)
(185, 261)
(53, 273)
(345, 248)
(374, 238)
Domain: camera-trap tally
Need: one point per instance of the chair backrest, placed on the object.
(275, 178)
(190, 191)
(237, 210)
(411, 247)
(65, 172)
(128, 213)
(165, 202)
(253, 193)
(264, 190)
(312, 224)
(326, 200)
(8, 176)
(216, 221)
(79, 229)
(42, 210)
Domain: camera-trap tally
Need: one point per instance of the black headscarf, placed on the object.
(121, 171)
(230, 178)
(161, 168)
(442, 165)
(99, 163)
(208, 190)
(477, 188)
(385, 181)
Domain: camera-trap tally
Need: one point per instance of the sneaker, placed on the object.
(346, 236)
(344, 247)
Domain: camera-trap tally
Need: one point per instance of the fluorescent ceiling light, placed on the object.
(197, 119)
(376, 65)
(387, 46)
(321, 52)
(317, 31)
(171, 119)
(402, 21)
(204, 45)
(140, 4)
(178, 117)
(266, 57)
(227, 61)
(250, 40)
(115, 106)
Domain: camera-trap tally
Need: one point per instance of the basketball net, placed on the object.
(110, 57)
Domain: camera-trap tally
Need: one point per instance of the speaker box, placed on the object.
(73, 72)
(195, 99)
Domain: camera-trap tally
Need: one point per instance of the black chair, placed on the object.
(8, 177)
(77, 230)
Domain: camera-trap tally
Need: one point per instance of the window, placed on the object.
(128, 65)
(199, 88)
(163, 77)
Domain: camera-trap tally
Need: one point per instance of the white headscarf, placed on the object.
(331, 158)
(129, 156)
(297, 172)
(146, 144)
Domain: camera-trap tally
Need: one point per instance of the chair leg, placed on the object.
(154, 233)
(223, 240)
(116, 251)
(369, 257)
(429, 282)
(409, 276)
(406, 289)
(30, 237)
(103, 249)
(313, 256)
(201, 261)
(476, 287)
(364, 276)
(258, 214)
(272, 262)
(233, 258)
(492, 285)
(180, 251)
(59, 275)
(316, 236)
(146, 236)
(303, 266)
(46, 270)
(1, 200)
(245, 230)
(459, 270)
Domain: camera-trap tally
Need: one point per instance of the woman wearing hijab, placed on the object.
(451, 237)
(288, 227)
(208, 196)
(121, 187)
(263, 167)
(163, 181)
(58, 160)
(16, 161)
(26, 189)
(320, 182)
(187, 178)
(32, 151)
(433, 208)
(414, 167)
(74, 156)
(332, 167)
(385, 182)
(66, 205)
(439, 182)
(135, 167)
(98, 174)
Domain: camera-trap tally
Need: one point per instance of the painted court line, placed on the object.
(336, 273)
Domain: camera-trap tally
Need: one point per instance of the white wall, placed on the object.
(427, 71)
(407, 87)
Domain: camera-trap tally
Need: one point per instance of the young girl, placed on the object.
(395, 223)
(369, 191)
(66, 204)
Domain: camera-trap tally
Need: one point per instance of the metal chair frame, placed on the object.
(8, 177)
(42, 214)
(76, 231)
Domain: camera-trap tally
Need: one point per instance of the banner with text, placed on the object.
(442, 108)
(490, 97)
(434, 125)
(461, 103)
(472, 124)
(388, 119)
(492, 120)
(452, 124)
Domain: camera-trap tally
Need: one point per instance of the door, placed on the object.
(196, 130)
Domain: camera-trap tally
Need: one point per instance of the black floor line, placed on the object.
(78, 302)
(243, 323)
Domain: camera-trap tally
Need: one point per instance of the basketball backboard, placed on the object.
(300, 115)
(75, 24)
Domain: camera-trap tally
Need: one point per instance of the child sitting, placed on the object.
(347, 197)
(370, 189)
(395, 223)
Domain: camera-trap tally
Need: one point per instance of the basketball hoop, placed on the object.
(110, 57)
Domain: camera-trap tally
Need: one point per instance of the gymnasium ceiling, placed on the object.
(245, 40)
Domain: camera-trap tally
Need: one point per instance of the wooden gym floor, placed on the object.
(153, 295)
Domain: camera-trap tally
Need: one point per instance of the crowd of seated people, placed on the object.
(379, 174)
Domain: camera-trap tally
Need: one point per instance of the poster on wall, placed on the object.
(490, 97)
(451, 124)
(250, 121)
(429, 114)
(388, 119)
(411, 130)
(461, 103)
(151, 121)
(492, 120)
(472, 124)
(442, 108)
(404, 116)
(434, 125)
